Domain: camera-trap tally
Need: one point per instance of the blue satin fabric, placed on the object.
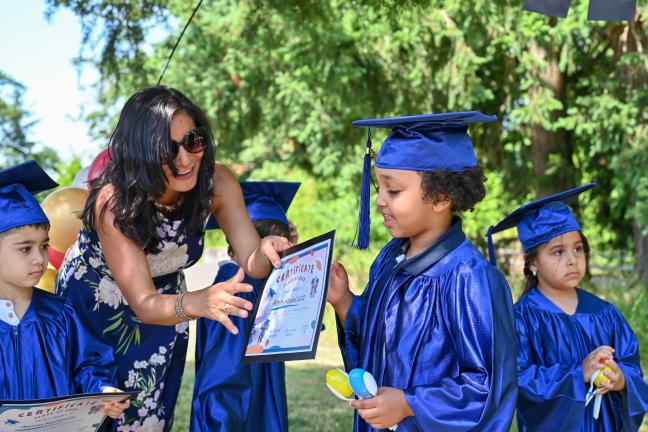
(551, 349)
(229, 395)
(439, 326)
(50, 353)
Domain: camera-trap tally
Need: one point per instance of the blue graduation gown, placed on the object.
(440, 327)
(551, 349)
(229, 395)
(50, 353)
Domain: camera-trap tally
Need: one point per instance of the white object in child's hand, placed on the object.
(364, 385)
(593, 392)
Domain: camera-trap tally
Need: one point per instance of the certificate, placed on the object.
(77, 413)
(287, 318)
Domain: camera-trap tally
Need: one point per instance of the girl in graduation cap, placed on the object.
(434, 324)
(568, 337)
(230, 396)
(144, 223)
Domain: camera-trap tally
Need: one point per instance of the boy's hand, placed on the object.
(616, 378)
(596, 360)
(384, 410)
(114, 409)
(338, 290)
(339, 295)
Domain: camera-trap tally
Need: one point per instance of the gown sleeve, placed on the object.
(92, 360)
(482, 395)
(546, 388)
(635, 395)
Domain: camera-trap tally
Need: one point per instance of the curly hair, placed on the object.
(464, 189)
(139, 146)
(530, 280)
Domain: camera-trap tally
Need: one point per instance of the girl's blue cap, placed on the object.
(539, 221)
(422, 143)
(265, 200)
(18, 184)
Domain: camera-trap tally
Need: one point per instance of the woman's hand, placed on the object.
(272, 246)
(114, 409)
(596, 360)
(339, 295)
(219, 301)
(384, 410)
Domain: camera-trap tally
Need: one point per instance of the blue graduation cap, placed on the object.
(541, 220)
(605, 10)
(422, 143)
(265, 200)
(18, 185)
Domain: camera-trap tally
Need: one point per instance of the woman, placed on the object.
(143, 224)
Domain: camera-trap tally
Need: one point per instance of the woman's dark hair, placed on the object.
(464, 189)
(531, 281)
(139, 146)
(265, 228)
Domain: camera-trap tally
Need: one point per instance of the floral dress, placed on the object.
(150, 358)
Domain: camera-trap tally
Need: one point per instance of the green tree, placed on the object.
(282, 81)
(15, 124)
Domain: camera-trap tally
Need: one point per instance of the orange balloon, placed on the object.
(63, 208)
(47, 280)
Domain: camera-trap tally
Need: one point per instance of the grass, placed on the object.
(311, 408)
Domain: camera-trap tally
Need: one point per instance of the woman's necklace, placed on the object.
(168, 208)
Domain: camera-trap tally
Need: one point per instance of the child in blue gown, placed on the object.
(565, 334)
(45, 350)
(434, 324)
(230, 396)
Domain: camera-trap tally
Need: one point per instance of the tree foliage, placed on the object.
(282, 81)
(15, 124)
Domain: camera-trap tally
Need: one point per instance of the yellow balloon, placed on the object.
(63, 208)
(47, 280)
(339, 381)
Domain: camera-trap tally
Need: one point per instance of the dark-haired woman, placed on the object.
(143, 224)
(567, 336)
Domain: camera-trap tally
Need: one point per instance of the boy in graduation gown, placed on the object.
(434, 324)
(230, 396)
(45, 350)
(566, 335)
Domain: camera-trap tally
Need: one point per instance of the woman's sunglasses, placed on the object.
(194, 141)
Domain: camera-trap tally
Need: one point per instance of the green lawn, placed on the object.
(308, 396)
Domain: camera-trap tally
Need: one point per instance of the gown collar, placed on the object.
(446, 243)
(545, 302)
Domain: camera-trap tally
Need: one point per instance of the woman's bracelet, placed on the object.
(179, 310)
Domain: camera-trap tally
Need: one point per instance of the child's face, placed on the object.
(400, 201)
(23, 257)
(561, 262)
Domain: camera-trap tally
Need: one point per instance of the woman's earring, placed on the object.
(534, 273)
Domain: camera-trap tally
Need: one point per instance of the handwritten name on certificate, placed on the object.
(288, 316)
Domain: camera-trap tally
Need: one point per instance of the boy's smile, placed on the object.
(23, 254)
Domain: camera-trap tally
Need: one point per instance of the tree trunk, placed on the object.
(552, 174)
(641, 252)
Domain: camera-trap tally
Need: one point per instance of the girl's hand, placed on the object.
(338, 292)
(114, 409)
(384, 410)
(616, 378)
(219, 301)
(271, 246)
(596, 360)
